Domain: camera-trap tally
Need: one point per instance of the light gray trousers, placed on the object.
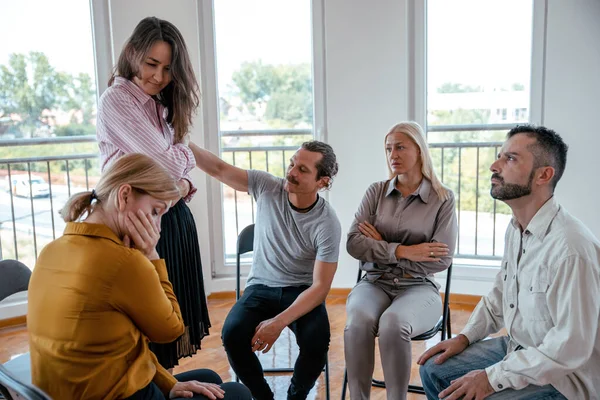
(396, 310)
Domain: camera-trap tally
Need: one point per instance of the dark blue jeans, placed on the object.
(258, 304)
(233, 390)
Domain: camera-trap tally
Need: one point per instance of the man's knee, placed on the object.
(314, 337)
(429, 371)
(235, 332)
(316, 345)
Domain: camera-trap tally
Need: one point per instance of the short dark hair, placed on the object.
(549, 149)
(328, 166)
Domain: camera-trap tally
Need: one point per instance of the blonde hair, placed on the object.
(141, 172)
(416, 134)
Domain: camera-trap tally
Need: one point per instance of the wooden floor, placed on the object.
(13, 341)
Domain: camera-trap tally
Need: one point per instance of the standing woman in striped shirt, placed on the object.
(148, 109)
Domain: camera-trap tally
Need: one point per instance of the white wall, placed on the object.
(572, 101)
(367, 89)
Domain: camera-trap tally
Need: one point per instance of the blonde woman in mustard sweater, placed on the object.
(100, 292)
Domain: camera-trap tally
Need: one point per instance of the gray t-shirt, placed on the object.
(287, 242)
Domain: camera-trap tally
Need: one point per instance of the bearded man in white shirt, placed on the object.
(547, 294)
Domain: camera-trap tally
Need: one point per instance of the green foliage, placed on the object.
(517, 87)
(450, 87)
(289, 108)
(256, 82)
(82, 96)
(466, 171)
(274, 161)
(29, 86)
(469, 178)
(75, 130)
(459, 116)
(285, 89)
(76, 167)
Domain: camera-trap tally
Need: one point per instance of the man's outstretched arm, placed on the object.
(232, 176)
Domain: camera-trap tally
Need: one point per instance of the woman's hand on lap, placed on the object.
(189, 388)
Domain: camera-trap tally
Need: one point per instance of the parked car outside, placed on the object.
(20, 186)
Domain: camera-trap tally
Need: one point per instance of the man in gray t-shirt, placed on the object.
(296, 246)
(282, 235)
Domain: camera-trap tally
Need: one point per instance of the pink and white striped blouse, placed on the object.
(131, 121)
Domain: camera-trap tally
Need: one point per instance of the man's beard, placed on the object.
(511, 191)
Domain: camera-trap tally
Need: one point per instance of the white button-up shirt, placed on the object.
(547, 295)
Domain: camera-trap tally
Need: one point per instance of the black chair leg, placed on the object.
(345, 384)
(327, 379)
(377, 383)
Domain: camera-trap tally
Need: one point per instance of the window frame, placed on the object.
(419, 77)
(219, 267)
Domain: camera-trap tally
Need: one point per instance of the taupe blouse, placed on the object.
(418, 218)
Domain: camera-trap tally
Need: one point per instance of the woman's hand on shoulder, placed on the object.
(184, 187)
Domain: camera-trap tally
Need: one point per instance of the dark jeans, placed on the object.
(260, 303)
(233, 390)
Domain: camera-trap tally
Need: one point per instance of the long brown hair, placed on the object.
(182, 94)
(141, 172)
(416, 134)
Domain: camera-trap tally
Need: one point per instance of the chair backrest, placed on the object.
(245, 244)
(245, 241)
(13, 389)
(15, 277)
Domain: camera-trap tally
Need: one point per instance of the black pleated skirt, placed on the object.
(179, 247)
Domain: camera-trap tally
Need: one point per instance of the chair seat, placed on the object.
(15, 380)
(432, 332)
(20, 368)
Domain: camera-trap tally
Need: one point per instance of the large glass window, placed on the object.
(265, 93)
(478, 87)
(47, 95)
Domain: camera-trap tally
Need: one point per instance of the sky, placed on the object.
(59, 28)
(479, 42)
(276, 31)
(475, 42)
